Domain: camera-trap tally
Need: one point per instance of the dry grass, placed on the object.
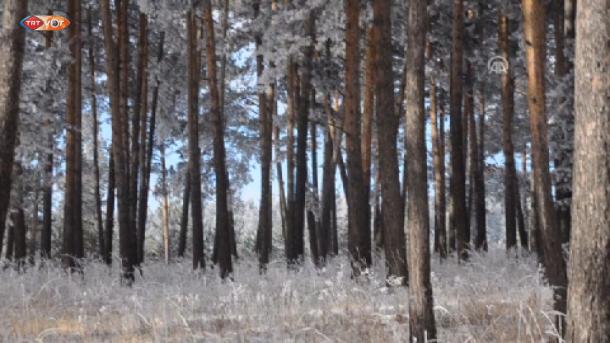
(491, 299)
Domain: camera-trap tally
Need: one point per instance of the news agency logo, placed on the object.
(45, 23)
(497, 65)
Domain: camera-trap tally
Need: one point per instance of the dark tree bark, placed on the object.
(589, 289)
(95, 129)
(223, 224)
(19, 232)
(359, 235)
(481, 213)
(265, 223)
(458, 172)
(421, 315)
(109, 225)
(119, 142)
(47, 187)
(312, 210)
(138, 125)
(328, 185)
(193, 141)
(370, 76)
(185, 214)
(508, 104)
(72, 234)
(304, 104)
(535, 36)
(438, 151)
(564, 153)
(387, 132)
(146, 155)
(10, 241)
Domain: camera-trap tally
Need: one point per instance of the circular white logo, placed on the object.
(497, 65)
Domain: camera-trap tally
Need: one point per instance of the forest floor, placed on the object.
(492, 298)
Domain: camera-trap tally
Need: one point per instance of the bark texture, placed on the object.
(535, 37)
(589, 288)
(421, 316)
(359, 236)
(387, 132)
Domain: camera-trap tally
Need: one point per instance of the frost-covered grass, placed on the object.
(492, 298)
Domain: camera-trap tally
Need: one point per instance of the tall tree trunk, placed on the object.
(72, 235)
(18, 219)
(95, 130)
(11, 59)
(146, 154)
(119, 144)
(470, 143)
(109, 226)
(387, 132)
(278, 167)
(458, 172)
(223, 225)
(193, 141)
(359, 235)
(265, 223)
(563, 135)
(480, 242)
(372, 54)
(185, 214)
(292, 85)
(589, 289)
(165, 205)
(328, 185)
(421, 315)
(313, 203)
(535, 36)
(508, 104)
(440, 237)
(138, 125)
(47, 187)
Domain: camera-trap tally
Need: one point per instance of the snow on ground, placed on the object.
(492, 298)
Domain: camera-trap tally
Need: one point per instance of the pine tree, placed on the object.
(589, 273)
(421, 315)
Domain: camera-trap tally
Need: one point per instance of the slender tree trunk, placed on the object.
(119, 144)
(278, 167)
(165, 205)
(328, 178)
(72, 235)
(193, 141)
(481, 213)
(223, 225)
(95, 130)
(265, 224)
(563, 134)
(440, 238)
(146, 154)
(421, 315)
(312, 207)
(18, 218)
(185, 214)
(138, 125)
(11, 59)
(387, 132)
(458, 177)
(535, 36)
(359, 235)
(589, 289)
(508, 103)
(470, 145)
(372, 52)
(109, 227)
(292, 85)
